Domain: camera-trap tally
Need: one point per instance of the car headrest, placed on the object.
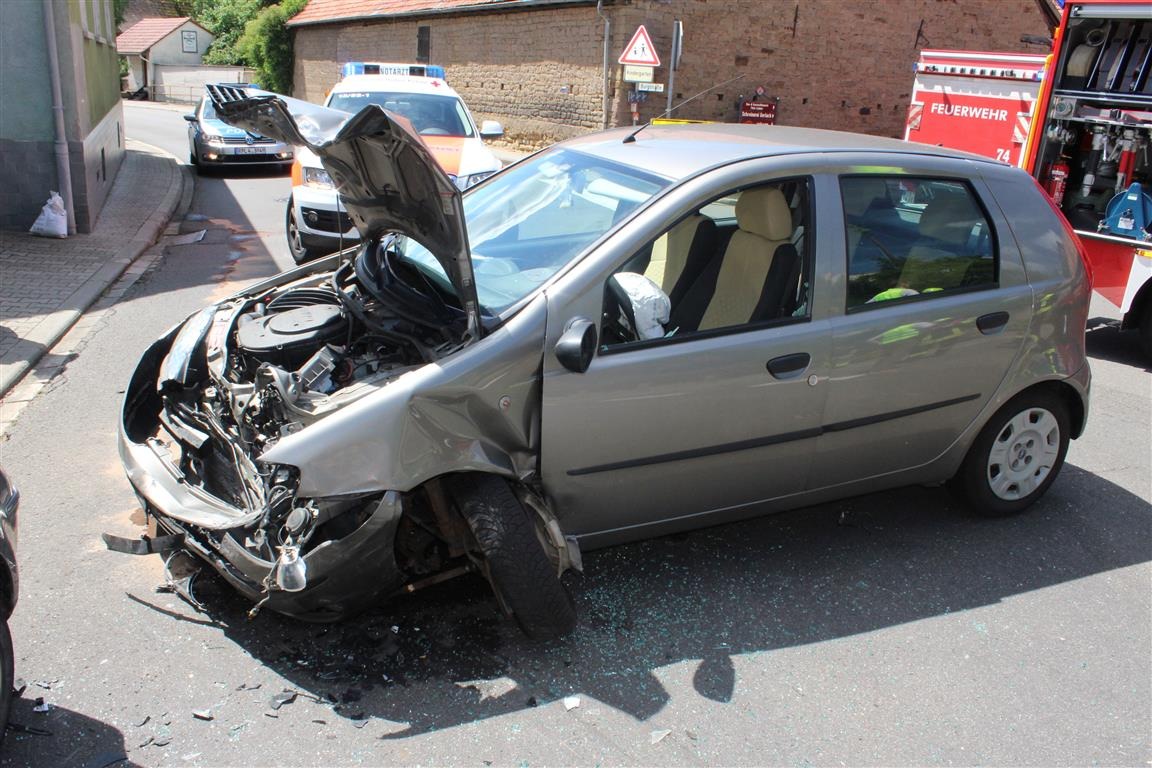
(949, 218)
(764, 212)
(859, 193)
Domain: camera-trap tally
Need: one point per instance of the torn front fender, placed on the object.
(476, 410)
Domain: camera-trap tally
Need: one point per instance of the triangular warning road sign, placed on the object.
(640, 52)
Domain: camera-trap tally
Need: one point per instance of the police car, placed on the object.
(316, 223)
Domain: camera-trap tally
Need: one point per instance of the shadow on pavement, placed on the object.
(60, 737)
(443, 657)
(1105, 341)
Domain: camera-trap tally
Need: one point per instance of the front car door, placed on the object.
(718, 416)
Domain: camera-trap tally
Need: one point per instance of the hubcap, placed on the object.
(1023, 454)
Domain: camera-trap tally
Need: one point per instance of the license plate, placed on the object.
(250, 150)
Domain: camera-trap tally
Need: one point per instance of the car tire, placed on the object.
(524, 579)
(1016, 456)
(6, 677)
(300, 253)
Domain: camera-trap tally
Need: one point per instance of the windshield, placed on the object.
(430, 115)
(207, 111)
(529, 221)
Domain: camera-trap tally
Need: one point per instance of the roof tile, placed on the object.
(319, 11)
(147, 32)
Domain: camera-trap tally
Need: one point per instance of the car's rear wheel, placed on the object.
(6, 677)
(522, 576)
(300, 252)
(1017, 455)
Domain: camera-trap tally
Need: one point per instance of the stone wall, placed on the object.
(832, 63)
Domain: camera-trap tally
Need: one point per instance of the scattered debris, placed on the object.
(41, 705)
(658, 736)
(532, 703)
(188, 239)
(33, 731)
(571, 702)
(280, 699)
(146, 742)
(46, 684)
(248, 687)
(235, 731)
(202, 714)
(144, 722)
(320, 722)
(395, 629)
(190, 756)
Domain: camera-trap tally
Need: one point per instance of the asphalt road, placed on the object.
(887, 630)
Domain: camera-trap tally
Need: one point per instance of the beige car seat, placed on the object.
(670, 253)
(765, 224)
(940, 259)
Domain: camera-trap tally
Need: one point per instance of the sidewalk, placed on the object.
(47, 284)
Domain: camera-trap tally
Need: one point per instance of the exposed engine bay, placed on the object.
(243, 375)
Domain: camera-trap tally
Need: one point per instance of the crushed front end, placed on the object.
(211, 396)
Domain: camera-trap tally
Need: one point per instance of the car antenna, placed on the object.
(632, 136)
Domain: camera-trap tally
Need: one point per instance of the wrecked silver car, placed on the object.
(628, 334)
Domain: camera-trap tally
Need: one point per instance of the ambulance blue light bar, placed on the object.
(384, 68)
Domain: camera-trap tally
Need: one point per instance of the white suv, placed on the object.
(316, 223)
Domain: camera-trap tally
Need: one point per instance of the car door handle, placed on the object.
(789, 366)
(992, 323)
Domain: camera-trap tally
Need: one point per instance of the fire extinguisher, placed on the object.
(1056, 179)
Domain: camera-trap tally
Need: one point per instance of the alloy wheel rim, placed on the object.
(1023, 454)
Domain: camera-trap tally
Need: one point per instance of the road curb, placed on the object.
(40, 340)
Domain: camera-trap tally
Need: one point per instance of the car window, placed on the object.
(740, 260)
(912, 238)
(430, 115)
(530, 220)
(207, 110)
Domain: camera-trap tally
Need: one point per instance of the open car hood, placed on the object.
(386, 176)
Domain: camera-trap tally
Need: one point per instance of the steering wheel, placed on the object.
(625, 315)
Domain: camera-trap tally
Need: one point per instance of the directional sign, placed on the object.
(635, 74)
(640, 50)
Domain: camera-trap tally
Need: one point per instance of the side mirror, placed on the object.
(577, 345)
(490, 129)
(190, 118)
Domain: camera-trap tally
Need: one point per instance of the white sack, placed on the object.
(650, 304)
(53, 219)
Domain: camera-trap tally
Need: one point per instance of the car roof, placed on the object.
(394, 84)
(680, 151)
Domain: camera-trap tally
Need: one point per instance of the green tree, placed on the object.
(226, 20)
(266, 45)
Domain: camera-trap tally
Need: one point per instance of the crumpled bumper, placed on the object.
(344, 575)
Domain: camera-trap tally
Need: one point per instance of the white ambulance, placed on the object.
(316, 223)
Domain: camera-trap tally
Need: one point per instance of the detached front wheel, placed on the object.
(1017, 455)
(521, 574)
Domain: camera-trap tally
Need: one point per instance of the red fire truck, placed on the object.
(1090, 145)
(977, 101)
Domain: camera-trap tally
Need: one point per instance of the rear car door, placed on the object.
(712, 420)
(935, 311)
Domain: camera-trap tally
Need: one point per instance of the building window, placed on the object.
(423, 45)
